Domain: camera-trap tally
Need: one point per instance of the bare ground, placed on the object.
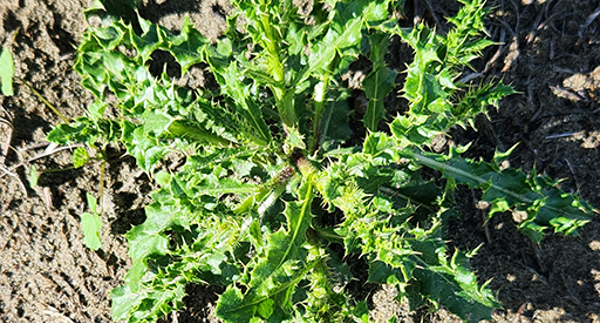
(549, 50)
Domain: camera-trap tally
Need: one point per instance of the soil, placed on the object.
(548, 50)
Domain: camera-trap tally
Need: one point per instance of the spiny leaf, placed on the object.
(270, 278)
(379, 83)
(287, 245)
(148, 239)
(229, 78)
(425, 275)
(344, 35)
(234, 306)
(145, 305)
(546, 206)
(335, 128)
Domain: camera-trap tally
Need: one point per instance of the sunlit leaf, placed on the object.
(7, 71)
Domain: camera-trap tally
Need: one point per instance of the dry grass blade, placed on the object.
(6, 120)
(588, 21)
(55, 314)
(6, 144)
(17, 177)
(46, 102)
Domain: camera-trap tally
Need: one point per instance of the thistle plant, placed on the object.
(274, 197)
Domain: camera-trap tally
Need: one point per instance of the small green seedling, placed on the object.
(33, 177)
(91, 224)
(7, 71)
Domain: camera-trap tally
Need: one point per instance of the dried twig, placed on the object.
(518, 14)
(417, 14)
(541, 278)
(573, 173)
(8, 172)
(53, 312)
(492, 61)
(519, 313)
(6, 145)
(563, 135)
(588, 22)
(15, 175)
(567, 94)
(470, 77)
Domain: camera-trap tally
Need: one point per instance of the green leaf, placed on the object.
(229, 78)
(83, 130)
(437, 284)
(187, 46)
(33, 177)
(382, 273)
(80, 157)
(343, 36)
(234, 306)
(335, 125)
(546, 206)
(361, 312)
(7, 71)
(146, 149)
(145, 305)
(92, 202)
(97, 109)
(147, 240)
(156, 122)
(379, 83)
(449, 283)
(91, 225)
(123, 301)
(271, 280)
(265, 309)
